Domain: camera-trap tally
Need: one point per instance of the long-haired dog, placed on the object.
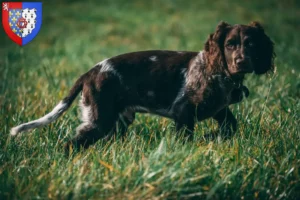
(184, 86)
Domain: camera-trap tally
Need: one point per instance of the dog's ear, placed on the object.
(256, 25)
(265, 55)
(214, 46)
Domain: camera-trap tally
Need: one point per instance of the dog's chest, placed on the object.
(216, 98)
(212, 96)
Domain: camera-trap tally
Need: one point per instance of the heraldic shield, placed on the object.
(21, 20)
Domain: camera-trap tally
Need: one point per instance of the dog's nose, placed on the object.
(240, 61)
(244, 65)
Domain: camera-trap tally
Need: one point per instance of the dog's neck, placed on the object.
(200, 72)
(218, 71)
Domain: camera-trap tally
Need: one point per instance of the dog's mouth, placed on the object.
(242, 70)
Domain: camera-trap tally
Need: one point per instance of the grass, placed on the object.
(262, 161)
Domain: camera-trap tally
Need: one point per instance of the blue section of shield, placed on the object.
(38, 7)
(14, 16)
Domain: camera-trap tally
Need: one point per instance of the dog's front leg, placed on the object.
(187, 127)
(185, 121)
(237, 95)
(227, 123)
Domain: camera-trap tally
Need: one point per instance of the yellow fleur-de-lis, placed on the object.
(10, 13)
(14, 30)
(18, 13)
(14, 19)
(10, 24)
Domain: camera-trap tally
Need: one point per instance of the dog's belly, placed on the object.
(204, 110)
(159, 111)
(154, 100)
(163, 112)
(174, 108)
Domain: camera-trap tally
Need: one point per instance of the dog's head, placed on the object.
(240, 49)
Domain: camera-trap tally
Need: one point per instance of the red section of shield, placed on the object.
(5, 20)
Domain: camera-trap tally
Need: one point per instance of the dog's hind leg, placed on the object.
(99, 114)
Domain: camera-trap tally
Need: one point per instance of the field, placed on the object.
(262, 161)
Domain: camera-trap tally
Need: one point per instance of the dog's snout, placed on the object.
(240, 61)
(243, 64)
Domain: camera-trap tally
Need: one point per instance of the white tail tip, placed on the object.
(47, 119)
(14, 131)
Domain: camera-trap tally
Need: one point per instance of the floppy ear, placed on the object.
(214, 47)
(264, 61)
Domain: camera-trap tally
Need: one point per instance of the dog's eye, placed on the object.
(249, 44)
(230, 44)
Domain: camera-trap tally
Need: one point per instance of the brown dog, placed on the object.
(183, 86)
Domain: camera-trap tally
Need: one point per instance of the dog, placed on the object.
(180, 85)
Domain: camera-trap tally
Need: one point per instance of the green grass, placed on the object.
(262, 161)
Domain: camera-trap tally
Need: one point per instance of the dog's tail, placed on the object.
(55, 113)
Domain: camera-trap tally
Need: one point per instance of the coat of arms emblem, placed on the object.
(21, 20)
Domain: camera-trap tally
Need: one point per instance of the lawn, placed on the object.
(262, 161)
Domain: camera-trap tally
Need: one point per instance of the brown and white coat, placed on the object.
(181, 85)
